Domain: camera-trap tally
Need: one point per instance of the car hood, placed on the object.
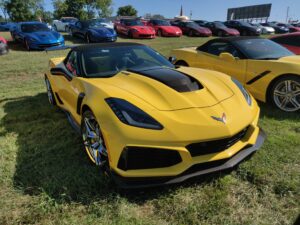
(143, 29)
(231, 30)
(202, 29)
(44, 36)
(169, 29)
(103, 31)
(165, 90)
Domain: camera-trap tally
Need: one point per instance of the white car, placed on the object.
(265, 29)
(105, 22)
(63, 23)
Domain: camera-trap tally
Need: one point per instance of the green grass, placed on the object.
(46, 178)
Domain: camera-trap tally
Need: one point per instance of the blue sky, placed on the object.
(204, 9)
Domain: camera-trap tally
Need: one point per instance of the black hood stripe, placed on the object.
(172, 78)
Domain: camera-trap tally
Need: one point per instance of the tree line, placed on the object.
(29, 10)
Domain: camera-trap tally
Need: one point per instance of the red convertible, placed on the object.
(134, 28)
(163, 28)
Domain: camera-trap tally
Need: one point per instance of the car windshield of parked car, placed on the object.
(161, 23)
(219, 25)
(107, 62)
(94, 24)
(192, 25)
(34, 27)
(133, 23)
(262, 49)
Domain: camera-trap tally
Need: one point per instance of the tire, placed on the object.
(93, 140)
(220, 33)
(284, 94)
(159, 33)
(191, 33)
(181, 63)
(27, 45)
(244, 33)
(88, 39)
(51, 97)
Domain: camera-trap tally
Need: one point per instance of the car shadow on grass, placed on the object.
(270, 111)
(50, 158)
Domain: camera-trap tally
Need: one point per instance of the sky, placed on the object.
(204, 9)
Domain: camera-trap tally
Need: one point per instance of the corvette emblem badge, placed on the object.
(220, 119)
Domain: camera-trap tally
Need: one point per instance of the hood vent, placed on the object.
(174, 79)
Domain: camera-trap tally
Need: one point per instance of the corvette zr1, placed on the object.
(269, 71)
(147, 123)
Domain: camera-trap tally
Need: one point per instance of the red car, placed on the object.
(291, 41)
(134, 28)
(192, 29)
(3, 46)
(164, 28)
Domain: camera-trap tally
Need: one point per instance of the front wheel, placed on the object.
(285, 94)
(93, 140)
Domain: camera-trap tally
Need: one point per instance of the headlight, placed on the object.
(132, 115)
(243, 90)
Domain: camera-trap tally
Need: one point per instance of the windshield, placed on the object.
(133, 23)
(161, 23)
(244, 23)
(34, 27)
(107, 62)
(94, 24)
(192, 25)
(219, 25)
(262, 49)
(68, 20)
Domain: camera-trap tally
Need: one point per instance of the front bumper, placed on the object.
(143, 35)
(42, 46)
(193, 171)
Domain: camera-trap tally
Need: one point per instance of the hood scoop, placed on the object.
(174, 79)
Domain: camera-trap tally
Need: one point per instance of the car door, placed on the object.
(69, 86)
(211, 59)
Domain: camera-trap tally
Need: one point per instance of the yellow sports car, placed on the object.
(269, 71)
(145, 122)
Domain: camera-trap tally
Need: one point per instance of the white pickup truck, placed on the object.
(63, 23)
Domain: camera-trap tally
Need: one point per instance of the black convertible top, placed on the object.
(233, 39)
(104, 45)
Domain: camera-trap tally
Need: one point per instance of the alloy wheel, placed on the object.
(286, 95)
(93, 140)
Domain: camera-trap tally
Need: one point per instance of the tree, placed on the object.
(127, 10)
(3, 9)
(60, 8)
(20, 10)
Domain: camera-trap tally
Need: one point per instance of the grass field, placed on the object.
(46, 178)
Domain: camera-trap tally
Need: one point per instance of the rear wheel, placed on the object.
(191, 33)
(26, 45)
(285, 94)
(93, 140)
(50, 94)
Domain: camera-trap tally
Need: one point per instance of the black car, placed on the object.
(201, 22)
(278, 29)
(244, 28)
(219, 29)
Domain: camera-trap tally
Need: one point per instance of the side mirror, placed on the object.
(172, 59)
(56, 71)
(227, 57)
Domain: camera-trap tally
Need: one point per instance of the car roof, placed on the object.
(104, 45)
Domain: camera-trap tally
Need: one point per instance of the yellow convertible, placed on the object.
(269, 71)
(145, 122)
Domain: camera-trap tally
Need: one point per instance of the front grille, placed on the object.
(145, 35)
(203, 148)
(133, 158)
(48, 45)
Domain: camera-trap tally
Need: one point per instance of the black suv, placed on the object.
(244, 28)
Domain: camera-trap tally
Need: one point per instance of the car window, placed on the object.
(217, 48)
(71, 64)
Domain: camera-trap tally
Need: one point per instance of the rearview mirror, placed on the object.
(227, 57)
(56, 71)
(172, 59)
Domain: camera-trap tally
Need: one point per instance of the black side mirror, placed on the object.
(56, 71)
(172, 59)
